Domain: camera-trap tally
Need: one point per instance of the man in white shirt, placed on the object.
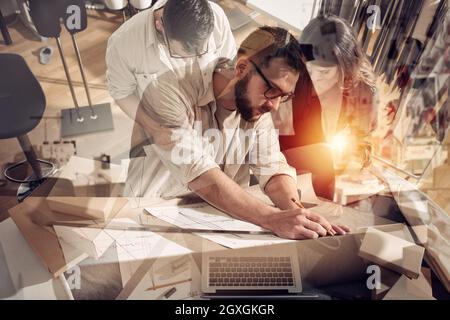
(207, 141)
(168, 38)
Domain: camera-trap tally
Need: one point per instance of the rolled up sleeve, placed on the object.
(178, 142)
(119, 76)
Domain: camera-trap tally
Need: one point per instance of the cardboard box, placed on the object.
(31, 217)
(388, 279)
(392, 252)
(87, 207)
(42, 240)
(412, 289)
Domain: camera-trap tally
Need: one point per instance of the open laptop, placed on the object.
(262, 269)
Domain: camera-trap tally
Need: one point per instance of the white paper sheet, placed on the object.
(178, 274)
(235, 241)
(131, 245)
(201, 216)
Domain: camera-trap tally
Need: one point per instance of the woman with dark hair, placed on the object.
(336, 93)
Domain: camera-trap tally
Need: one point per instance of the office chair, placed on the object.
(22, 104)
(46, 16)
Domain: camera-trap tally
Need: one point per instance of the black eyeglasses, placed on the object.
(174, 54)
(273, 91)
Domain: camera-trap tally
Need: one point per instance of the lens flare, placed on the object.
(339, 142)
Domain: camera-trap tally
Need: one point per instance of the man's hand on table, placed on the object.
(300, 224)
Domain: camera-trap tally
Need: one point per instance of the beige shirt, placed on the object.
(195, 137)
(189, 136)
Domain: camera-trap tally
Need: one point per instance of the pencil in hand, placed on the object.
(298, 203)
(331, 232)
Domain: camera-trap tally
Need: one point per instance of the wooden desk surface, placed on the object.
(317, 255)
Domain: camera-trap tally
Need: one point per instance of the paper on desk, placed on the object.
(201, 216)
(235, 241)
(178, 273)
(131, 245)
(135, 246)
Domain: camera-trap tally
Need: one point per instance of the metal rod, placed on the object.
(66, 70)
(83, 76)
(381, 36)
(4, 29)
(30, 155)
(355, 14)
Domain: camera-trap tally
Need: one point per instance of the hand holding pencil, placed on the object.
(298, 223)
(335, 229)
(330, 231)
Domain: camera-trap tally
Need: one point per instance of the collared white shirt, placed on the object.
(135, 57)
(192, 138)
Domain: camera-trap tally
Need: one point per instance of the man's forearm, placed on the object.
(219, 190)
(129, 105)
(281, 189)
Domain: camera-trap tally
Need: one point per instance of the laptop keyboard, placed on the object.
(250, 272)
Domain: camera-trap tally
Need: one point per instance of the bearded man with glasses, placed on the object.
(208, 144)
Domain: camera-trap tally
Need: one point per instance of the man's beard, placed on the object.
(242, 102)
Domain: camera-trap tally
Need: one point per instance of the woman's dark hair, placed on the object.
(267, 43)
(188, 21)
(334, 41)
